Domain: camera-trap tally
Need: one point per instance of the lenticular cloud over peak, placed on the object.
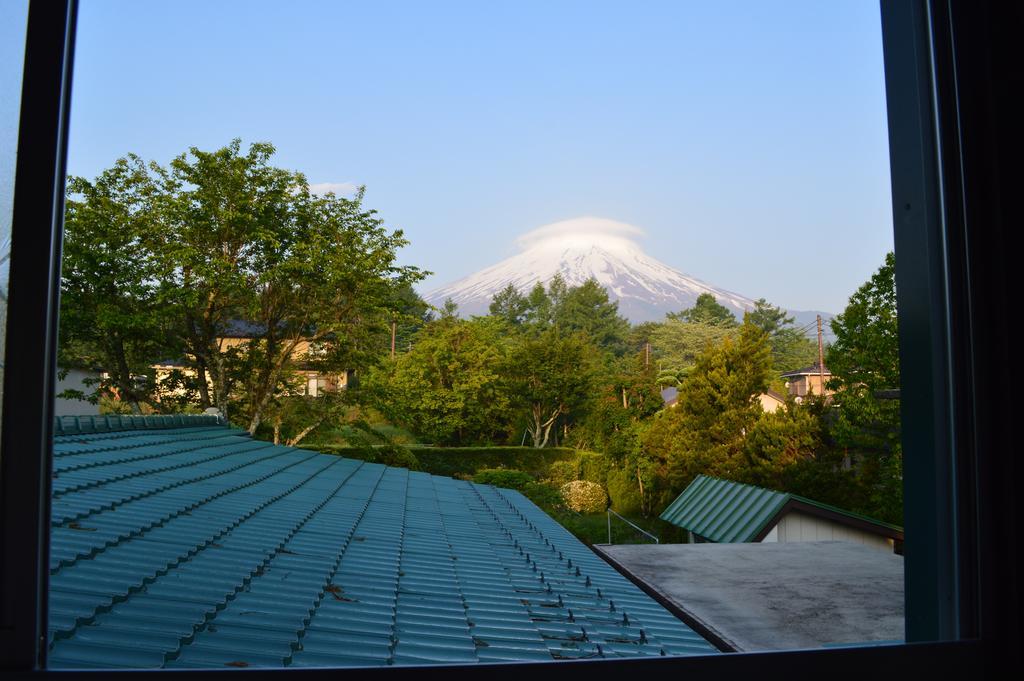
(581, 230)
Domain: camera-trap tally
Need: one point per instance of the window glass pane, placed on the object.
(368, 332)
(13, 18)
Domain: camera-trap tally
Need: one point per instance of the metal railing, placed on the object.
(641, 530)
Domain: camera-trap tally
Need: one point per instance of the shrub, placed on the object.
(561, 472)
(584, 496)
(594, 467)
(500, 477)
(545, 496)
(624, 492)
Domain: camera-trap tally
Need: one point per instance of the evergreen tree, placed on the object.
(510, 305)
(717, 406)
(791, 349)
(707, 310)
(586, 308)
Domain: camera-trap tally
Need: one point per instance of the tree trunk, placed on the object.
(202, 385)
(303, 433)
(540, 430)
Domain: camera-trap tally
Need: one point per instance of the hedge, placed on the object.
(464, 462)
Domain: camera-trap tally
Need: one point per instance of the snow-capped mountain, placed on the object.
(579, 249)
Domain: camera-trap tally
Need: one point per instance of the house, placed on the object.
(810, 380)
(238, 334)
(179, 542)
(670, 396)
(715, 510)
(771, 401)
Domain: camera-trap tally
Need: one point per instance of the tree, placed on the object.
(864, 361)
(676, 344)
(510, 305)
(586, 308)
(550, 376)
(313, 276)
(111, 314)
(791, 349)
(161, 263)
(449, 387)
(707, 310)
(716, 407)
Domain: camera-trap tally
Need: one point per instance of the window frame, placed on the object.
(948, 121)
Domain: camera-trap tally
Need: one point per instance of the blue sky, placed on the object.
(747, 139)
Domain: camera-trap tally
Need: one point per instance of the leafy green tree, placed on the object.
(450, 387)
(315, 276)
(111, 314)
(864, 361)
(707, 310)
(551, 376)
(791, 349)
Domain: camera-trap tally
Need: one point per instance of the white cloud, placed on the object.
(339, 188)
(586, 228)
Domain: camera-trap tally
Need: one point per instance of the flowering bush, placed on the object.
(584, 497)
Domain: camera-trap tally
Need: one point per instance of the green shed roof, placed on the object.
(188, 544)
(725, 511)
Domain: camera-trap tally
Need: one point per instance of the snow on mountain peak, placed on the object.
(584, 248)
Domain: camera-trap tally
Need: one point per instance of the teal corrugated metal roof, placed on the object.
(196, 546)
(724, 511)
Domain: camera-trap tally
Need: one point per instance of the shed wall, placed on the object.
(796, 526)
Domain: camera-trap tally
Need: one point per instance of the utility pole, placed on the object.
(821, 359)
(394, 326)
(647, 355)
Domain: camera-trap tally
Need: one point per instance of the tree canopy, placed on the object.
(162, 263)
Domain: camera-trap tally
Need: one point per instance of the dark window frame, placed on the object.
(954, 138)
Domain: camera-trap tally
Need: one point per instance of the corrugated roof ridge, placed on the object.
(282, 550)
(74, 425)
(733, 506)
(843, 511)
(712, 511)
(151, 471)
(201, 435)
(192, 554)
(148, 493)
(452, 554)
(714, 508)
(631, 632)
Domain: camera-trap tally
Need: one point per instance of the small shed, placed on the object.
(722, 511)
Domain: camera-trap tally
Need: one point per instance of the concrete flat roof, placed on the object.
(774, 596)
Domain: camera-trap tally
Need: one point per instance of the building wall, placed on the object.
(74, 381)
(807, 384)
(770, 403)
(796, 526)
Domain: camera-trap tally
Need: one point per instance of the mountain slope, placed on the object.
(578, 250)
(645, 288)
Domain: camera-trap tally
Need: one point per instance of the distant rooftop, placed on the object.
(813, 370)
(181, 542)
(725, 511)
(753, 597)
